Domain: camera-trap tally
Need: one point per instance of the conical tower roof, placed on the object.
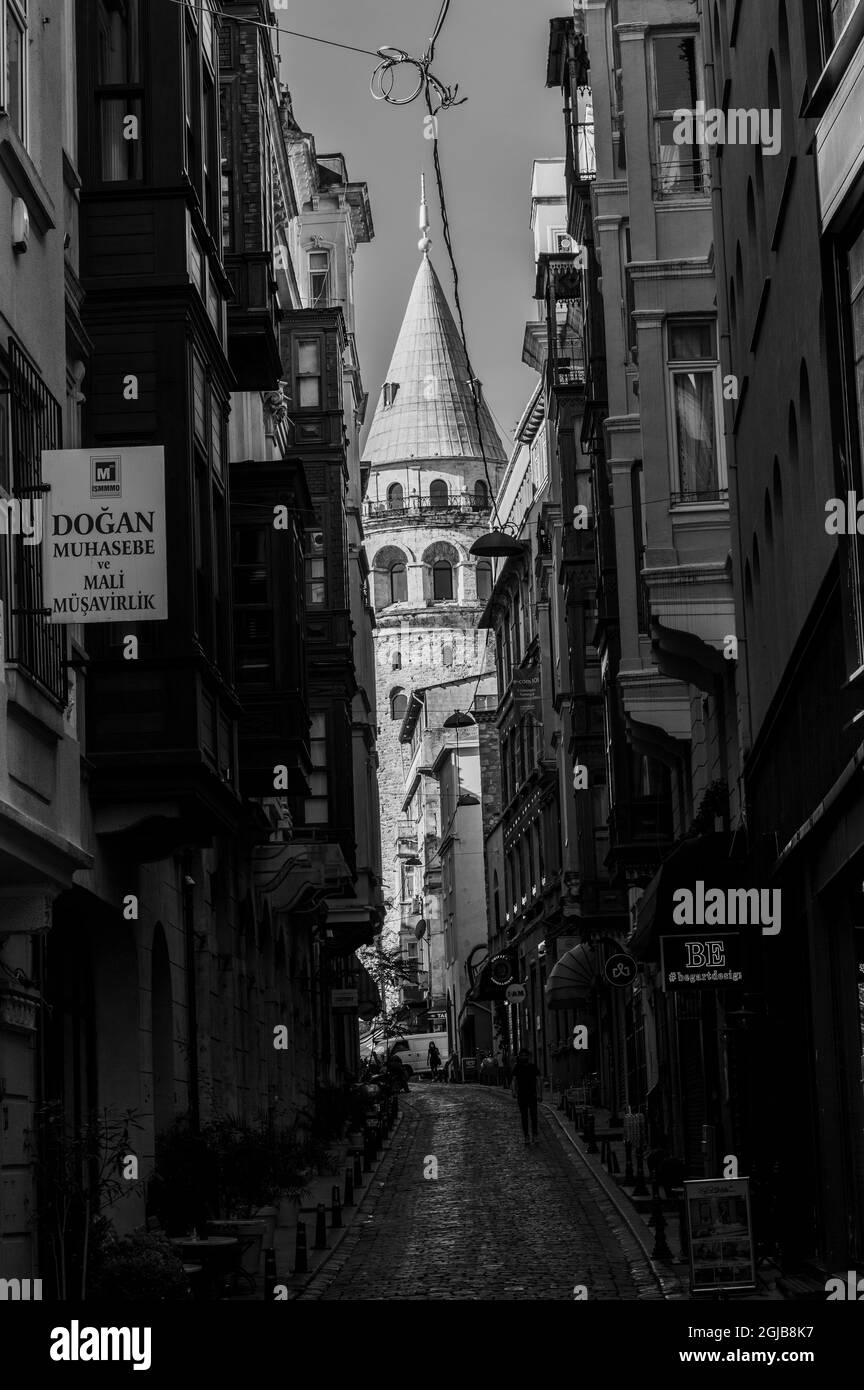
(432, 414)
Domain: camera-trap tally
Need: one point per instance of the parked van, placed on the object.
(412, 1049)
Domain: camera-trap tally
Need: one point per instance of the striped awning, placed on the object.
(572, 979)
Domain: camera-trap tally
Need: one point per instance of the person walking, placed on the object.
(433, 1060)
(526, 1089)
(396, 1072)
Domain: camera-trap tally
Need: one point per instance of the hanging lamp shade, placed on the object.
(497, 545)
(458, 720)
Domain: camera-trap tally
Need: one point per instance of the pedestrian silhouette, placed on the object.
(526, 1088)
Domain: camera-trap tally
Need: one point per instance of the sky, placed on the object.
(496, 51)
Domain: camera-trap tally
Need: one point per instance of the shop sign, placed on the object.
(526, 692)
(104, 547)
(720, 1234)
(702, 962)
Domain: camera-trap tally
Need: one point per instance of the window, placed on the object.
(398, 583)
(484, 580)
(190, 98)
(841, 13)
(396, 661)
(852, 270)
(309, 373)
(481, 496)
(439, 494)
(390, 388)
(694, 386)
(34, 419)
(13, 75)
(253, 605)
(442, 580)
(118, 90)
(398, 704)
(319, 279)
(318, 801)
(680, 169)
(316, 570)
(395, 496)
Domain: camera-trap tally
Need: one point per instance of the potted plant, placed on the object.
(137, 1268)
(183, 1193)
(81, 1168)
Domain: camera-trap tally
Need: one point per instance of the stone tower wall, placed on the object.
(431, 642)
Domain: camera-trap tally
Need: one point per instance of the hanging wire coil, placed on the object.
(384, 80)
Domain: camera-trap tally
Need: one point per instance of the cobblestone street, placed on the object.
(501, 1221)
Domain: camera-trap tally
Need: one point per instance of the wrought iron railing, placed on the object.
(429, 507)
(31, 640)
(682, 178)
(680, 499)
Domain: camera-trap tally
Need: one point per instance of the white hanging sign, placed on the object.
(104, 546)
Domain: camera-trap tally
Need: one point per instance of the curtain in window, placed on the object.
(694, 426)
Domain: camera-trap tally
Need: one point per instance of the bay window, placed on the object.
(680, 170)
(694, 386)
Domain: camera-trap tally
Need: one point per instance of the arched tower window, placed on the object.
(442, 580)
(481, 495)
(390, 576)
(395, 496)
(398, 703)
(398, 583)
(484, 580)
(439, 493)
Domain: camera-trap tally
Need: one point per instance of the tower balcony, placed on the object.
(416, 509)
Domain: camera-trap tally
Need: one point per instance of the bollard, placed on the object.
(661, 1250)
(269, 1274)
(336, 1208)
(640, 1190)
(301, 1263)
(590, 1127)
(349, 1188)
(320, 1227)
(682, 1225)
(358, 1172)
(628, 1161)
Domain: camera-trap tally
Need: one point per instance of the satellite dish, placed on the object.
(420, 928)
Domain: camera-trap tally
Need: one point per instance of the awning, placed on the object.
(368, 996)
(705, 857)
(572, 979)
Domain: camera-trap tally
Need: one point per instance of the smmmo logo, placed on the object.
(105, 475)
(20, 1290)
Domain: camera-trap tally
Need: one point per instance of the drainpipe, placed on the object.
(187, 893)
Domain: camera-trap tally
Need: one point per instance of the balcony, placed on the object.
(463, 507)
(696, 499)
(681, 178)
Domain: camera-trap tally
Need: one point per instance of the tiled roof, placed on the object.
(432, 413)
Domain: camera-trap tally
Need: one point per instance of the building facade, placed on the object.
(201, 877)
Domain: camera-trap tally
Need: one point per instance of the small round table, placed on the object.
(217, 1255)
